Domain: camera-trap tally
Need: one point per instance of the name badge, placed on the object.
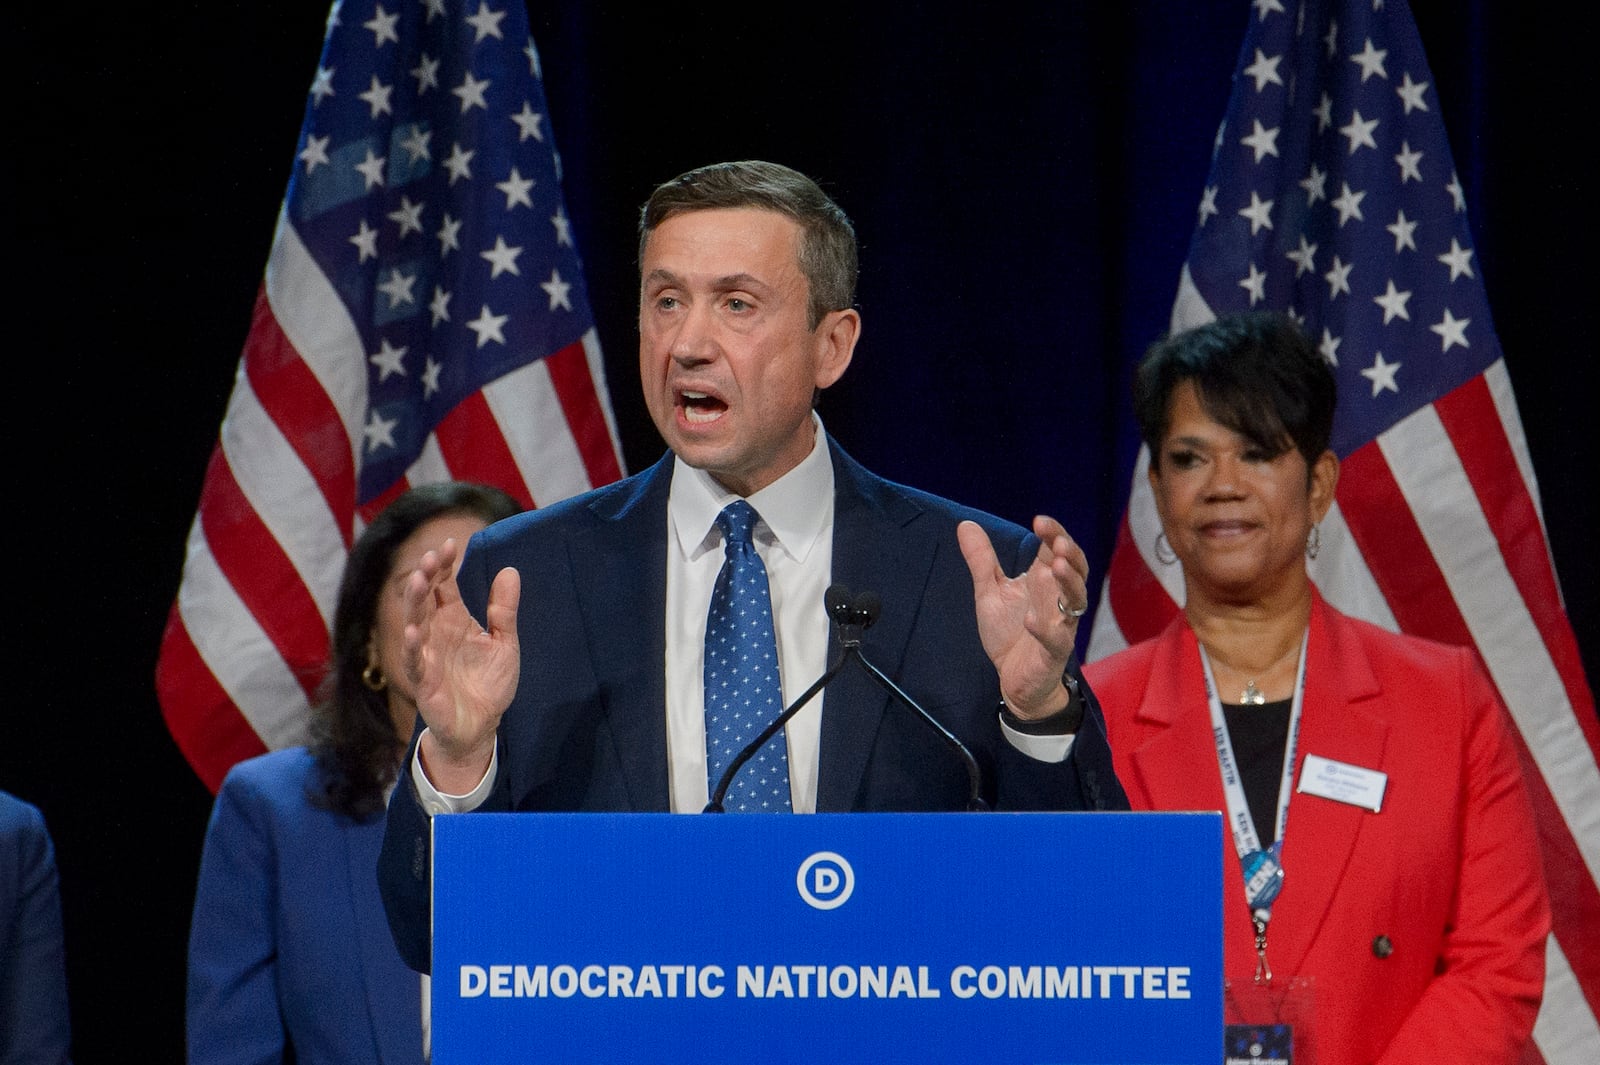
(1343, 782)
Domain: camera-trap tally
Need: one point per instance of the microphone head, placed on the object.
(866, 608)
(837, 600)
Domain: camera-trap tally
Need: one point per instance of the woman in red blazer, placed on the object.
(1384, 899)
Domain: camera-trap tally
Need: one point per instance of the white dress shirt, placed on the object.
(795, 541)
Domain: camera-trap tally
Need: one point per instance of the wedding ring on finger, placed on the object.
(1061, 606)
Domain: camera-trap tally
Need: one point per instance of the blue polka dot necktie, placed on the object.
(743, 693)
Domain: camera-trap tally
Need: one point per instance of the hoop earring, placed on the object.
(373, 677)
(1164, 552)
(1314, 542)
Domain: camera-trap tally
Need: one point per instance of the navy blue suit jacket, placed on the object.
(34, 1025)
(289, 955)
(587, 728)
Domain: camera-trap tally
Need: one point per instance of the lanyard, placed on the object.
(1262, 867)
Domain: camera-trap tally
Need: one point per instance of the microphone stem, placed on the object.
(975, 801)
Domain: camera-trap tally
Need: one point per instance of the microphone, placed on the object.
(853, 620)
(853, 615)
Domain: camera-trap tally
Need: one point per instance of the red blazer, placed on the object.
(1449, 870)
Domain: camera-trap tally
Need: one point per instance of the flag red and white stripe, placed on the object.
(420, 194)
(1332, 196)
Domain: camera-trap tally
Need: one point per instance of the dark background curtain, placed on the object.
(1024, 180)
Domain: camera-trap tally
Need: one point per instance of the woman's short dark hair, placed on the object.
(1255, 372)
(827, 238)
(352, 731)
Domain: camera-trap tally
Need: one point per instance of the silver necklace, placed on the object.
(1252, 695)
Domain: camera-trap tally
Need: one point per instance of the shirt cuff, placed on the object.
(436, 802)
(1048, 739)
(1046, 748)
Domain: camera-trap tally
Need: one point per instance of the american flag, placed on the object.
(1333, 196)
(422, 316)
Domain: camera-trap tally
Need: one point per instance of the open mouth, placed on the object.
(701, 407)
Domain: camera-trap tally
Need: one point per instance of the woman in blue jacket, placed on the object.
(290, 956)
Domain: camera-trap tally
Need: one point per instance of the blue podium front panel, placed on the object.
(666, 939)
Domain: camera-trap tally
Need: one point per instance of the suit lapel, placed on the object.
(1175, 766)
(1165, 775)
(876, 547)
(625, 606)
(1341, 721)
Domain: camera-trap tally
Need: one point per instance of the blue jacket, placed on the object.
(34, 1023)
(288, 946)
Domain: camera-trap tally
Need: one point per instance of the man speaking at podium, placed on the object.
(635, 639)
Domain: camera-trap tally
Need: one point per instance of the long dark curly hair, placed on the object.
(352, 733)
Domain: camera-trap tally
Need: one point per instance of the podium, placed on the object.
(929, 938)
